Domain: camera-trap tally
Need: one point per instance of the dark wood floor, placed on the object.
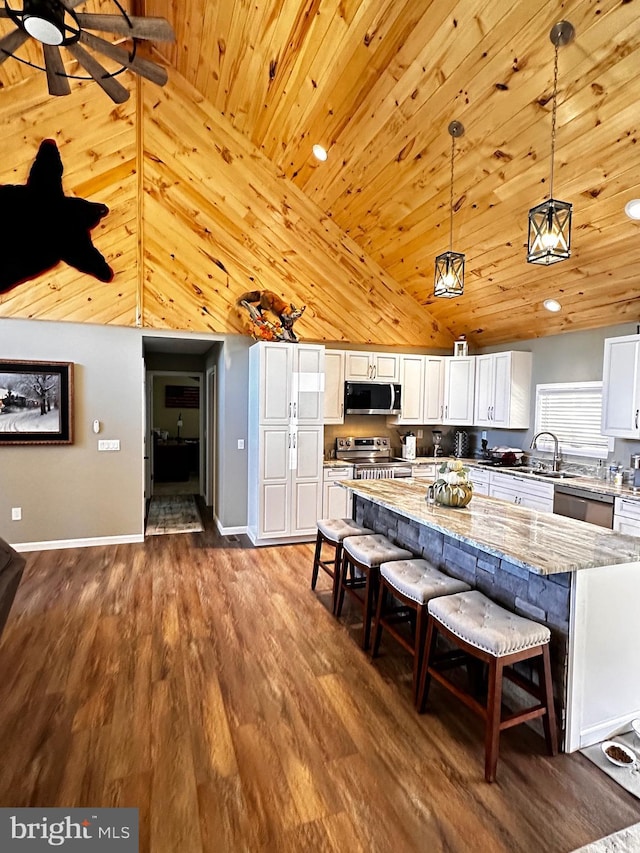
(202, 681)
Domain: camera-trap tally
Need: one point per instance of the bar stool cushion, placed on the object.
(419, 580)
(337, 529)
(484, 624)
(374, 549)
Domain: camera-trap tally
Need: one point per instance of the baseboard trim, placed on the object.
(56, 544)
(229, 531)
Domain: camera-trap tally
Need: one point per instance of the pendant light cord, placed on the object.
(553, 117)
(453, 142)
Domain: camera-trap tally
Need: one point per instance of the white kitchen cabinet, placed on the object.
(412, 382)
(521, 491)
(480, 478)
(372, 366)
(621, 387)
(334, 386)
(434, 389)
(459, 381)
(503, 390)
(337, 502)
(424, 471)
(286, 438)
(626, 516)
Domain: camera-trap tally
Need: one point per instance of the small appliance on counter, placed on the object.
(436, 434)
(461, 444)
(635, 472)
(504, 457)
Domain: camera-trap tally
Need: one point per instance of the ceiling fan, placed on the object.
(55, 24)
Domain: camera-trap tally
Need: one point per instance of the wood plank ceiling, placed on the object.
(377, 82)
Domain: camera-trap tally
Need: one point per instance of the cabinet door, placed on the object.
(459, 380)
(306, 497)
(275, 390)
(484, 388)
(334, 387)
(358, 366)
(433, 389)
(275, 479)
(337, 502)
(412, 382)
(307, 384)
(505, 494)
(500, 404)
(386, 367)
(621, 387)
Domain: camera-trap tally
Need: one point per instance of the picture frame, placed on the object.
(36, 402)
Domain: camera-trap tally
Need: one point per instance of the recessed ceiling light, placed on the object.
(552, 305)
(320, 153)
(632, 208)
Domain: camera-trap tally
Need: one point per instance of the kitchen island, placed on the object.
(580, 580)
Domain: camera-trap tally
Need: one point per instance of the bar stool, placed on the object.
(360, 570)
(332, 532)
(413, 583)
(480, 629)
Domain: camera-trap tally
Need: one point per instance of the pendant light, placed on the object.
(449, 278)
(550, 222)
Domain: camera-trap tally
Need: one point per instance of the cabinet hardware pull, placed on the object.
(295, 406)
(289, 439)
(289, 408)
(637, 411)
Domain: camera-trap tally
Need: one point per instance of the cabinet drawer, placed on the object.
(479, 476)
(343, 472)
(423, 472)
(522, 485)
(627, 508)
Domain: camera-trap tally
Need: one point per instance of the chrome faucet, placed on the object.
(556, 454)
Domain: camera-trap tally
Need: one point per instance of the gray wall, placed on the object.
(73, 491)
(571, 357)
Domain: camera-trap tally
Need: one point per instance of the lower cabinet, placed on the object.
(521, 491)
(626, 516)
(480, 479)
(336, 501)
(424, 472)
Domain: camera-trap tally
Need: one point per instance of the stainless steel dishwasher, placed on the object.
(574, 502)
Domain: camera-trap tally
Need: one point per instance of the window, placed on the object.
(572, 411)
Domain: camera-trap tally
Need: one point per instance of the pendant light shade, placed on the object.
(449, 274)
(549, 238)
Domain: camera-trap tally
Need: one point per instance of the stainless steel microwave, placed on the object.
(372, 398)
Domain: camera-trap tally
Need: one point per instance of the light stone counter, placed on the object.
(539, 542)
(625, 841)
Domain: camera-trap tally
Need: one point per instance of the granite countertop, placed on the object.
(625, 841)
(539, 542)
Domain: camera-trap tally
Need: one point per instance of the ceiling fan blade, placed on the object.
(155, 29)
(9, 44)
(4, 13)
(115, 90)
(71, 4)
(155, 73)
(56, 76)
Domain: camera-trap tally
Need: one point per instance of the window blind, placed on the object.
(573, 412)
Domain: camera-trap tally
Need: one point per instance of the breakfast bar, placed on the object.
(578, 579)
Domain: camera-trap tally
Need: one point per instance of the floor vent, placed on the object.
(233, 538)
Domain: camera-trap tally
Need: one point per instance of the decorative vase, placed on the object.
(447, 494)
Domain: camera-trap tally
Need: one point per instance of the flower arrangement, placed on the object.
(453, 488)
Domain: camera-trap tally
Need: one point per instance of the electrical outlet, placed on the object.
(109, 444)
(484, 435)
(16, 513)
(241, 444)
(420, 433)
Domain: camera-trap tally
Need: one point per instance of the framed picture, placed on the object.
(36, 402)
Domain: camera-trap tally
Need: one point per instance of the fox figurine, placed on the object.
(267, 300)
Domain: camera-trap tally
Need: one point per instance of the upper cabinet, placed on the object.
(290, 383)
(459, 380)
(334, 386)
(503, 390)
(412, 382)
(372, 366)
(621, 387)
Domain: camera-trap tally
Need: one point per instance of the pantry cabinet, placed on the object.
(334, 386)
(286, 438)
(621, 387)
(459, 381)
(372, 366)
(503, 390)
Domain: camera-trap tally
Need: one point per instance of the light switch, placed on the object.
(109, 444)
(241, 444)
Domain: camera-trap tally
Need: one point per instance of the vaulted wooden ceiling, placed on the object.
(377, 83)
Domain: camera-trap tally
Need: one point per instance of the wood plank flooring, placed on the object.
(202, 681)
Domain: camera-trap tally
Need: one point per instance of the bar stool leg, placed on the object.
(341, 583)
(494, 705)
(377, 627)
(336, 576)
(549, 719)
(369, 600)
(316, 560)
(425, 678)
(421, 629)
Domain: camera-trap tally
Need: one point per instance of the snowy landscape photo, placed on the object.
(35, 402)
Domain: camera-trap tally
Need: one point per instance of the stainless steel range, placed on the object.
(371, 458)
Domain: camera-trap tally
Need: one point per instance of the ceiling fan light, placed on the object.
(43, 30)
(632, 208)
(449, 276)
(319, 152)
(552, 305)
(549, 232)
